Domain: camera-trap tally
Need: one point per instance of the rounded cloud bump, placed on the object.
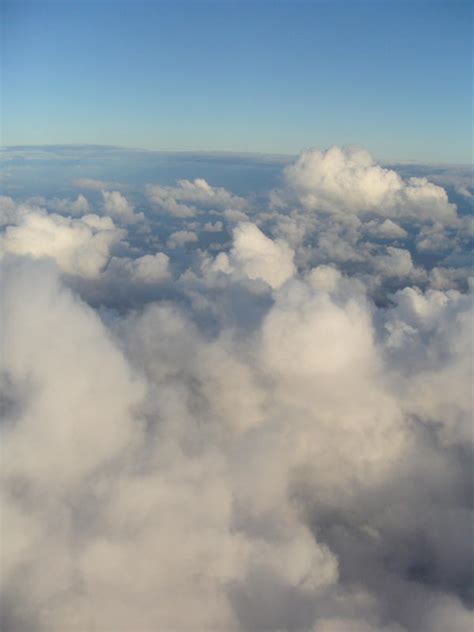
(347, 180)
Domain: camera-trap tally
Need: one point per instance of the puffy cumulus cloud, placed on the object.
(126, 498)
(443, 278)
(150, 268)
(79, 246)
(13, 212)
(9, 210)
(318, 343)
(386, 230)
(119, 208)
(187, 197)
(348, 181)
(181, 238)
(63, 206)
(145, 269)
(396, 262)
(433, 238)
(436, 328)
(70, 399)
(255, 256)
(54, 343)
(79, 206)
(274, 437)
(306, 332)
(233, 215)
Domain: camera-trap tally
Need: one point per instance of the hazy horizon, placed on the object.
(225, 152)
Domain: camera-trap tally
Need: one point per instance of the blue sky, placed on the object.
(257, 76)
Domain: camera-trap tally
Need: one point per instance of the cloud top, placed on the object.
(347, 180)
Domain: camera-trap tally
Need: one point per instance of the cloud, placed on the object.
(13, 212)
(396, 262)
(234, 215)
(386, 230)
(119, 208)
(9, 210)
(274, 437)
(146, 269)
(188, 197)
(437, 327)
(63, 206)
(93, 184)
(79, 246)
(181, 237)
(255, 256)
(348, 181)
(79, 206)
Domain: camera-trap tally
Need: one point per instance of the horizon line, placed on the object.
(221, 152)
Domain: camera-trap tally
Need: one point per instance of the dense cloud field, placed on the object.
(236, 393)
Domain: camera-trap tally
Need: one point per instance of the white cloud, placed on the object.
(79, 206)
(79, 246)
(234, 215)
(181, 237)
(8, 210)
(119, 208)
(187, 197)
(396, 262)
(13, 212)
(348, 181)
(149, 268)
(436, 328)
(255, 256)
(80, 382)
(433, 238)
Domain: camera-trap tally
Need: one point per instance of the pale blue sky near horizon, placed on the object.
(247, 76)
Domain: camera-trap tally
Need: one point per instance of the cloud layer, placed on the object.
(238, 414)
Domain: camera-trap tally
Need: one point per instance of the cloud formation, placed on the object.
(347, 180)
(187, 197)
(79, 246)
(277, 436)
(119, 208)
(255, 256)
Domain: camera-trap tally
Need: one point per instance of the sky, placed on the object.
(236, 350)
(248, 76)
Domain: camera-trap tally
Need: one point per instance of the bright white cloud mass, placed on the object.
(231, 412)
